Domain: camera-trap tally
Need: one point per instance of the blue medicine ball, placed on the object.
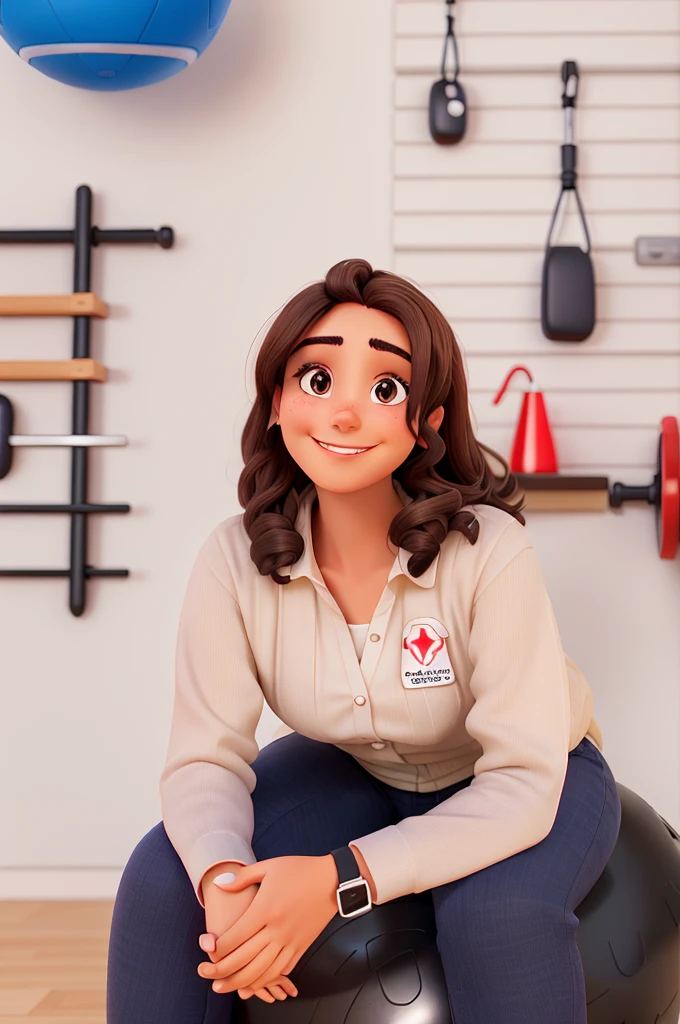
(110, 44)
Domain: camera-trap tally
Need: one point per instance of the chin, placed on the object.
(346, 483)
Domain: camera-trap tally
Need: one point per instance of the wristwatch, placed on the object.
(353, 893)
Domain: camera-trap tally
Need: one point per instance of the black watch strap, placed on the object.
(346, 863)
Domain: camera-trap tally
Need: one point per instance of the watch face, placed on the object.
(354, 897)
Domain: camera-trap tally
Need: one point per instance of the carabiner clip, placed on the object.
(570, 79)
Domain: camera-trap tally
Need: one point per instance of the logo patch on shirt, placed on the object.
(424, 657)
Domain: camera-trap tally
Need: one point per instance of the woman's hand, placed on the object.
(295, 901)
(278, 988)
(222, 910)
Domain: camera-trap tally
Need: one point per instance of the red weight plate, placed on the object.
(670, 487)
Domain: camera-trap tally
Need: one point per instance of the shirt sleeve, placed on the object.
(207, 781)
(520, 717)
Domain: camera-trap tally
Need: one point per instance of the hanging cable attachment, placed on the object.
(448, 105)
(570, 79)
(450, 35)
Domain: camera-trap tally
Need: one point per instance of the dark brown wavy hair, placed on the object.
(451, 473)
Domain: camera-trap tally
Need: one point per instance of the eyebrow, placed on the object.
(334, 339)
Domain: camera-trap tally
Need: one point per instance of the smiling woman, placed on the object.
(458, 738)
(380, 395)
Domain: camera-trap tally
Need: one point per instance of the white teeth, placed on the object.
(342, 451)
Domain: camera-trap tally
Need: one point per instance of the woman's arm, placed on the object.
(213, 872)
(365, 872)
(207, 781)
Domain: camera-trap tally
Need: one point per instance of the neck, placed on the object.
(349, 529)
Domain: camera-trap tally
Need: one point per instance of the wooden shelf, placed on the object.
(77, 304)
(40, 369)
(558, 492)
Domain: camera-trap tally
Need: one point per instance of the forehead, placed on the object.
(356, 324)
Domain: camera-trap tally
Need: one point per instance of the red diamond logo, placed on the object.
(422, 644)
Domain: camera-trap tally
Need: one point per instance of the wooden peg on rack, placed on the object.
(77, 304)
(52, 369)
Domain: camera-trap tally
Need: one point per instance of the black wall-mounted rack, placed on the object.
(83, 237)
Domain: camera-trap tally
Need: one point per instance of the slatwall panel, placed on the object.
(471, 220)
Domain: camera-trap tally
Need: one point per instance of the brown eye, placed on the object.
(316, 382)
(388, 391)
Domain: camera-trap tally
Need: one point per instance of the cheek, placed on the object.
(393, 418)
(298, 409)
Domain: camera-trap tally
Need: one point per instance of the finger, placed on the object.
(277, 991)
(261, 993)
(247, 925)
(249, 974)
(280, 982)
(292, 962)
(273, 973)
(266, 996)
(288, 985)
(248, 874)
(241, 957)
(269, 995)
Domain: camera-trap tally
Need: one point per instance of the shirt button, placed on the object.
(377, 745)
(375, 636)
(360, 700)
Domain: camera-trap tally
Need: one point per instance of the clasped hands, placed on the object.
(295, 901)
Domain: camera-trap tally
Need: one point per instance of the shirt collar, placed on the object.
(306, 564)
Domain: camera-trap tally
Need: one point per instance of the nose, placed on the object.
(346, 418)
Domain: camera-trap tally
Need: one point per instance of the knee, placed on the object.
(156, 913)
(154, 870)
(488, 925)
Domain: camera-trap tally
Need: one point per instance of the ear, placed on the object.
(435, 420)
(276, 405)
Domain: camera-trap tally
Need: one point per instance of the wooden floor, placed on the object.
(53, 961)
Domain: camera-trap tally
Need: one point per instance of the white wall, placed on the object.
(271, 159)
(470, 225)
(276, 154)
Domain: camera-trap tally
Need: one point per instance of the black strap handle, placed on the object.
(569, 175)
(450, 34)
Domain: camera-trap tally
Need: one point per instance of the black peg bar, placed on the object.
(23, 237)
(81, 400)
(89, 572)
(164, 236)
(80, 507)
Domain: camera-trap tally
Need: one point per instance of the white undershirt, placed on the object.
(359, 631)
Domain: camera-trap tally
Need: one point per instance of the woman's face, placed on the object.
(346, 386)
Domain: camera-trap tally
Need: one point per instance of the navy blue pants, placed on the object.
(506, 934)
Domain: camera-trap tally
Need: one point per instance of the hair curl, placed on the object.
(451, 473)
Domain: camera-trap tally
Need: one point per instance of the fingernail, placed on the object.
(225, 878)
(207, 943)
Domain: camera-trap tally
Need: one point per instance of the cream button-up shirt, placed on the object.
(462, 674)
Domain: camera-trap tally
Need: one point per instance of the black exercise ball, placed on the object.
(628, 934)
(381, 966)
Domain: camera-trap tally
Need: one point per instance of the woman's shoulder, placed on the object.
(494, 521)
(227, 551)
(501, 536)
(504, 538)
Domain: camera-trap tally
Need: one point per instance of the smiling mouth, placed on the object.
(342, 449)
